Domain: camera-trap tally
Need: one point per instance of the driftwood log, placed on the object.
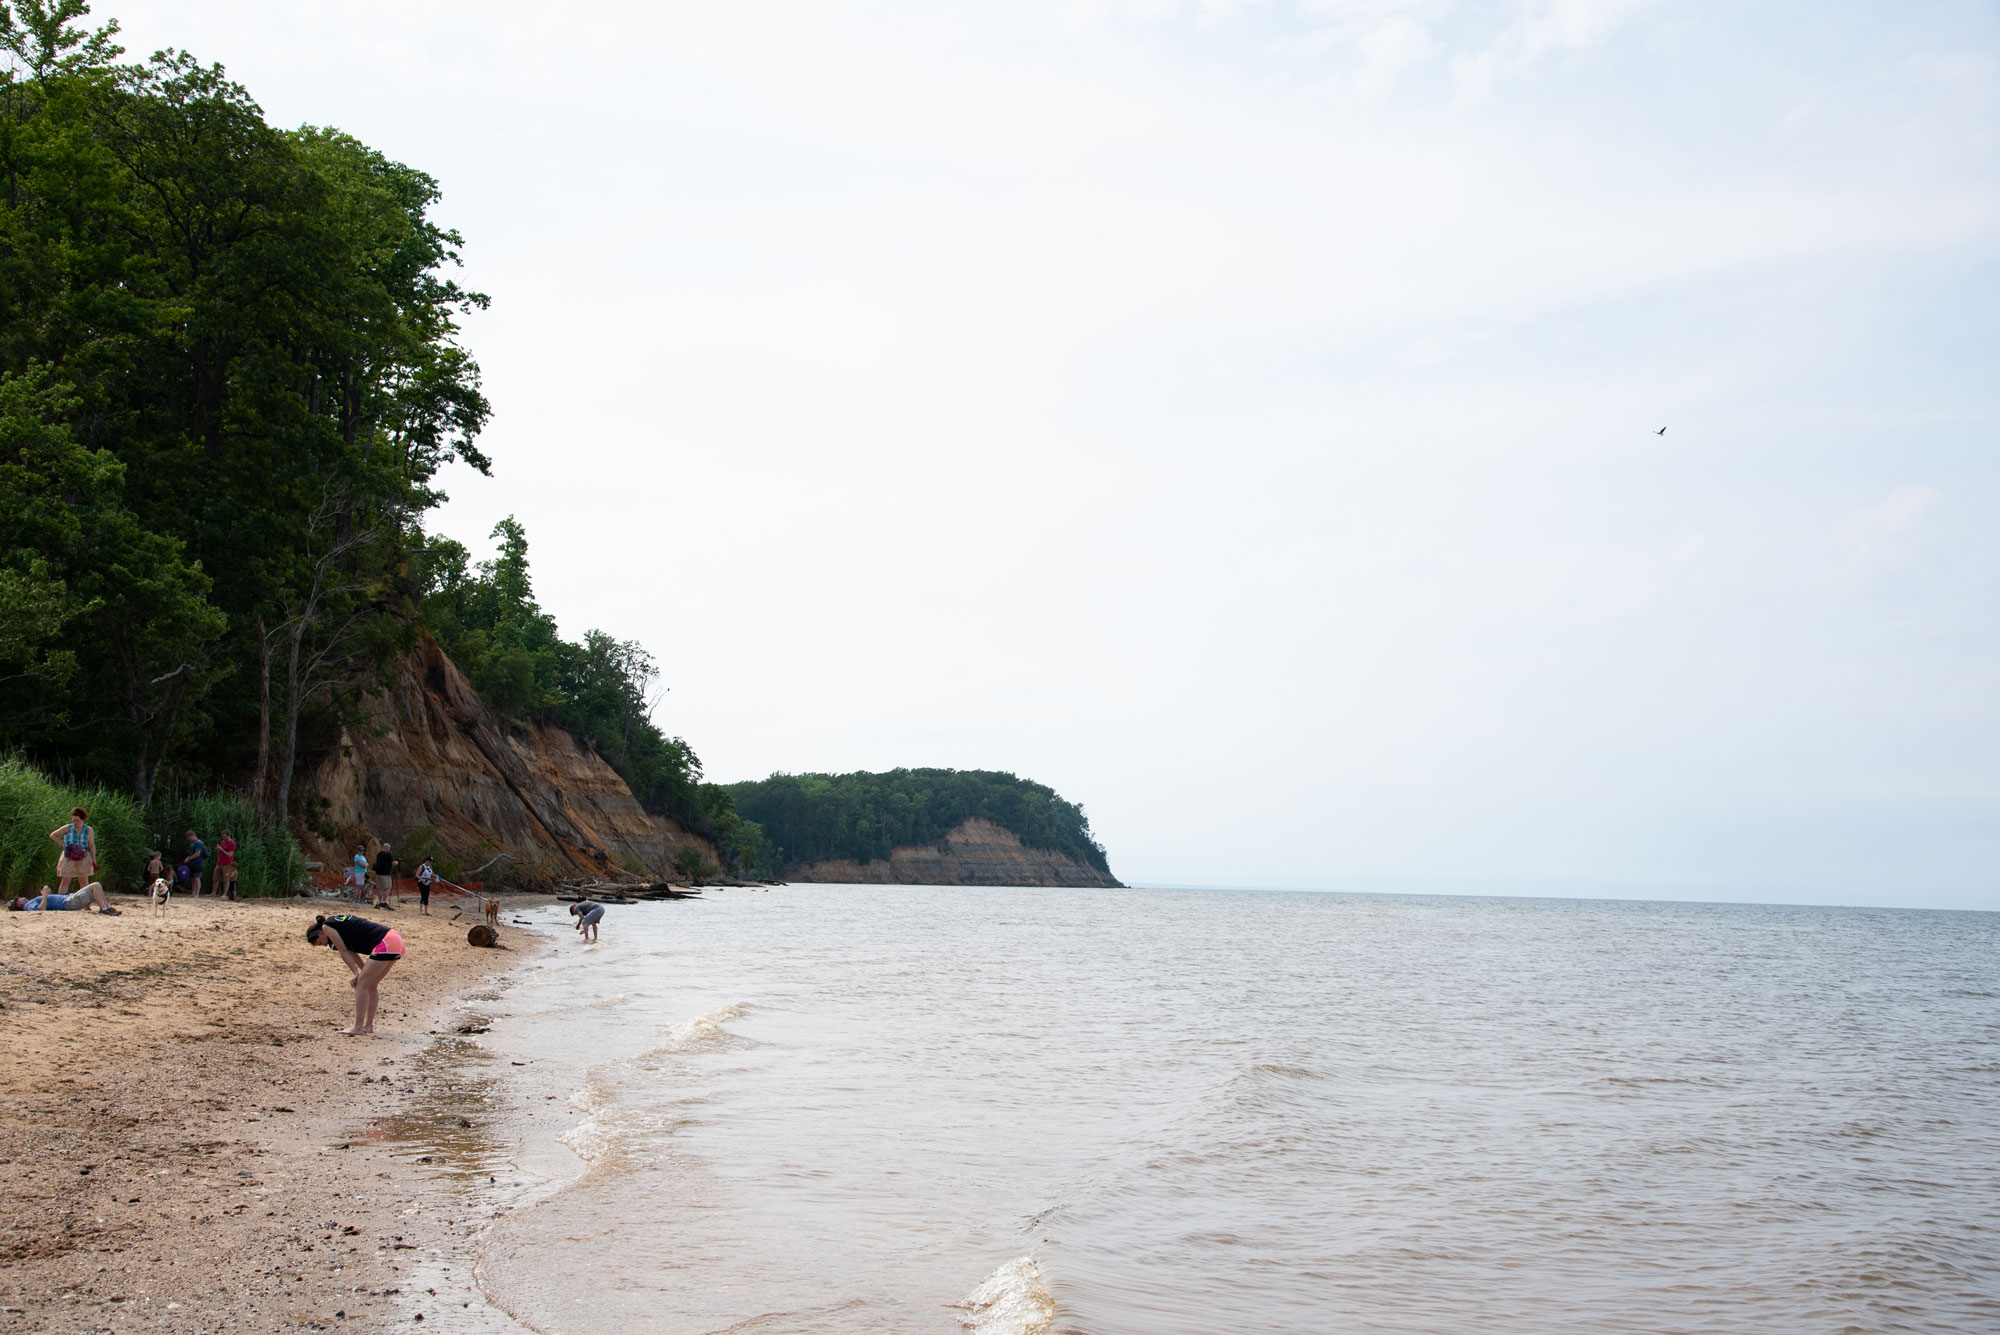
(626, 893)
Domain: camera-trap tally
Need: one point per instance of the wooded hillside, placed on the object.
(230, 377)
(809, 817)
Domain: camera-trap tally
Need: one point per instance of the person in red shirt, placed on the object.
(225, 865)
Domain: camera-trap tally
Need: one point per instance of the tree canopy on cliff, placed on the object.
(487, 618)
(229, 376)
(809, 817)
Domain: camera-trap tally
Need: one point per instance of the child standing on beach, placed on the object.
(369, 950)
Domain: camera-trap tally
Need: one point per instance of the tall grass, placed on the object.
(268, 859)
(32, 804)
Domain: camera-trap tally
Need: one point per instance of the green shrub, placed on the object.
(32, 804)
(268, 859)
(692, 863)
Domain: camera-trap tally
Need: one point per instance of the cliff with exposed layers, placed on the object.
(978, 852)
(431, 769)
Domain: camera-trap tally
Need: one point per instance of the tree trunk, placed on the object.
(292, 704)
(263, 785)
(142, 781)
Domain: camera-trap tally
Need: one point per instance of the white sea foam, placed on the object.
(704, 1028)
(592, 1139)
(1014, 1300)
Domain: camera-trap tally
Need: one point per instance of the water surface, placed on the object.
(913, 1109)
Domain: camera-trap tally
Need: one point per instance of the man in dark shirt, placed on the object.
(385, 876)
(196, 856)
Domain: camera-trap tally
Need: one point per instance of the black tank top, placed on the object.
(359, 935)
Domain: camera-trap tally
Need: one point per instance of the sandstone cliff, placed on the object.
(434, 770)
(976, 853)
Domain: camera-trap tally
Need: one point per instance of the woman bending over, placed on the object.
(369, 950)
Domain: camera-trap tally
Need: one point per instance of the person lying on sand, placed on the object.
(353, 938)
(74, 900)
(588, 914)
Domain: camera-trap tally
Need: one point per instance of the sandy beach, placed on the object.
(191, 1146)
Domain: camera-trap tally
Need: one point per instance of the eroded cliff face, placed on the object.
(976, 853)
(536, 803)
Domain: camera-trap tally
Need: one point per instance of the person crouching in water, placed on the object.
(369, 949)
(588, 914)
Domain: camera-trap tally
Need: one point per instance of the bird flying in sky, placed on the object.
(1661, 432)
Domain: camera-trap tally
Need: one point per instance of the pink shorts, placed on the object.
(390, 947)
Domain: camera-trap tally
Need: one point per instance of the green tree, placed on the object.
(864, 816)
(132, 637)
(257, 325)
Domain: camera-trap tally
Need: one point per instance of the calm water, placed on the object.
(893, 1109)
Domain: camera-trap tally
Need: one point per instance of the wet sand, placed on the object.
(191, 1146)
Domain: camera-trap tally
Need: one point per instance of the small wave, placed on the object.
(1285, 1072)
(592, 1139)
(703, 1029)
(1014, 1300)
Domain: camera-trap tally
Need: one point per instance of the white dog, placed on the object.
(161, 892)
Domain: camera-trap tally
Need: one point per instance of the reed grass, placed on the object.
(32, 804)
(268, 859)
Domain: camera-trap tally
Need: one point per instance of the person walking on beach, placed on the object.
(77, 860)
(385, 877)
(75, 901)
(225, 866)
(425, 875)
(197, 856)
(357, 875)
(369, 950)
(588, 914)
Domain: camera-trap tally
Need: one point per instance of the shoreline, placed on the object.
(191, 1146)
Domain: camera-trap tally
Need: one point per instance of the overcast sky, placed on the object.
(1242, 416)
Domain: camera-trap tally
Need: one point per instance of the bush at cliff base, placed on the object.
(32, 804)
